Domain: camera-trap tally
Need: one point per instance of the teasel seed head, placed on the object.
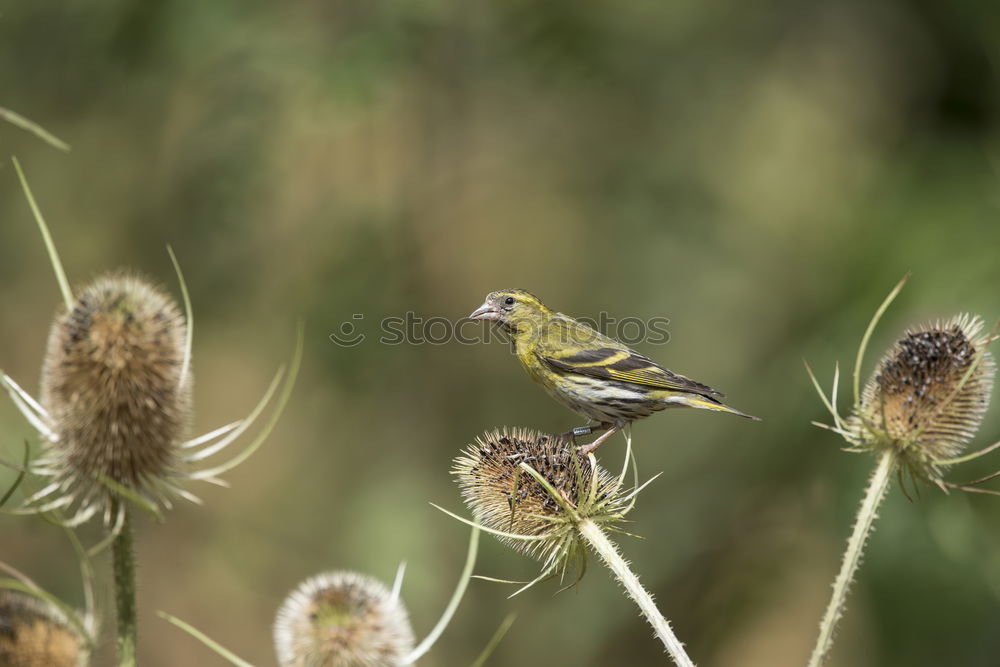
(34, 633)
(927, 398)
(114, 385)
(342, 619)
(538, 519)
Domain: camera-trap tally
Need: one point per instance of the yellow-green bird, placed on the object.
(588, 372)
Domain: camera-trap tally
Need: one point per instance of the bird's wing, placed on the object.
(591, 353)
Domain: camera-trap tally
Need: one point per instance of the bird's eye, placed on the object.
(509, 301)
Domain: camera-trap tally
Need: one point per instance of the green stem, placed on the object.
(877, 487)
(608, 552)
(123, 556)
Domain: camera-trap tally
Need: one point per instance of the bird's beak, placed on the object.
(485, 312)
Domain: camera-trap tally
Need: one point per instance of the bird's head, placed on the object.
(516, 310)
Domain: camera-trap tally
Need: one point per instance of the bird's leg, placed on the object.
(581, 431)
(612, 429)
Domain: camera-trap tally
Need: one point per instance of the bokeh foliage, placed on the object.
(760, 173)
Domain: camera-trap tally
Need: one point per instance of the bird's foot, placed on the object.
(611, 430)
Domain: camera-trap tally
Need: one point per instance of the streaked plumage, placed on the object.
(588, 372)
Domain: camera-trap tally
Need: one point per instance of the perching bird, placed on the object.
(588, 372)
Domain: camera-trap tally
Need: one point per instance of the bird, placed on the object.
(592, 374)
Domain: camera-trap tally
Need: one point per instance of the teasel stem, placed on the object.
(877, 487)
(123, 556)
(608, 552)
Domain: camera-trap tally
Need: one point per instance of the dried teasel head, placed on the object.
(342, 619)
(532, 490)
(116, 400)
(927, 398)
(115, 388)
(34, 633)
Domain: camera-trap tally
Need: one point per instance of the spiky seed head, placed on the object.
(34, 633)
(342, 619)
(928, 395)
(112, 383)
(505, 497)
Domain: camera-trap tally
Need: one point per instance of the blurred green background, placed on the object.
(759, 173)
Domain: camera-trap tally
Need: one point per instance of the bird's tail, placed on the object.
(705, 403)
